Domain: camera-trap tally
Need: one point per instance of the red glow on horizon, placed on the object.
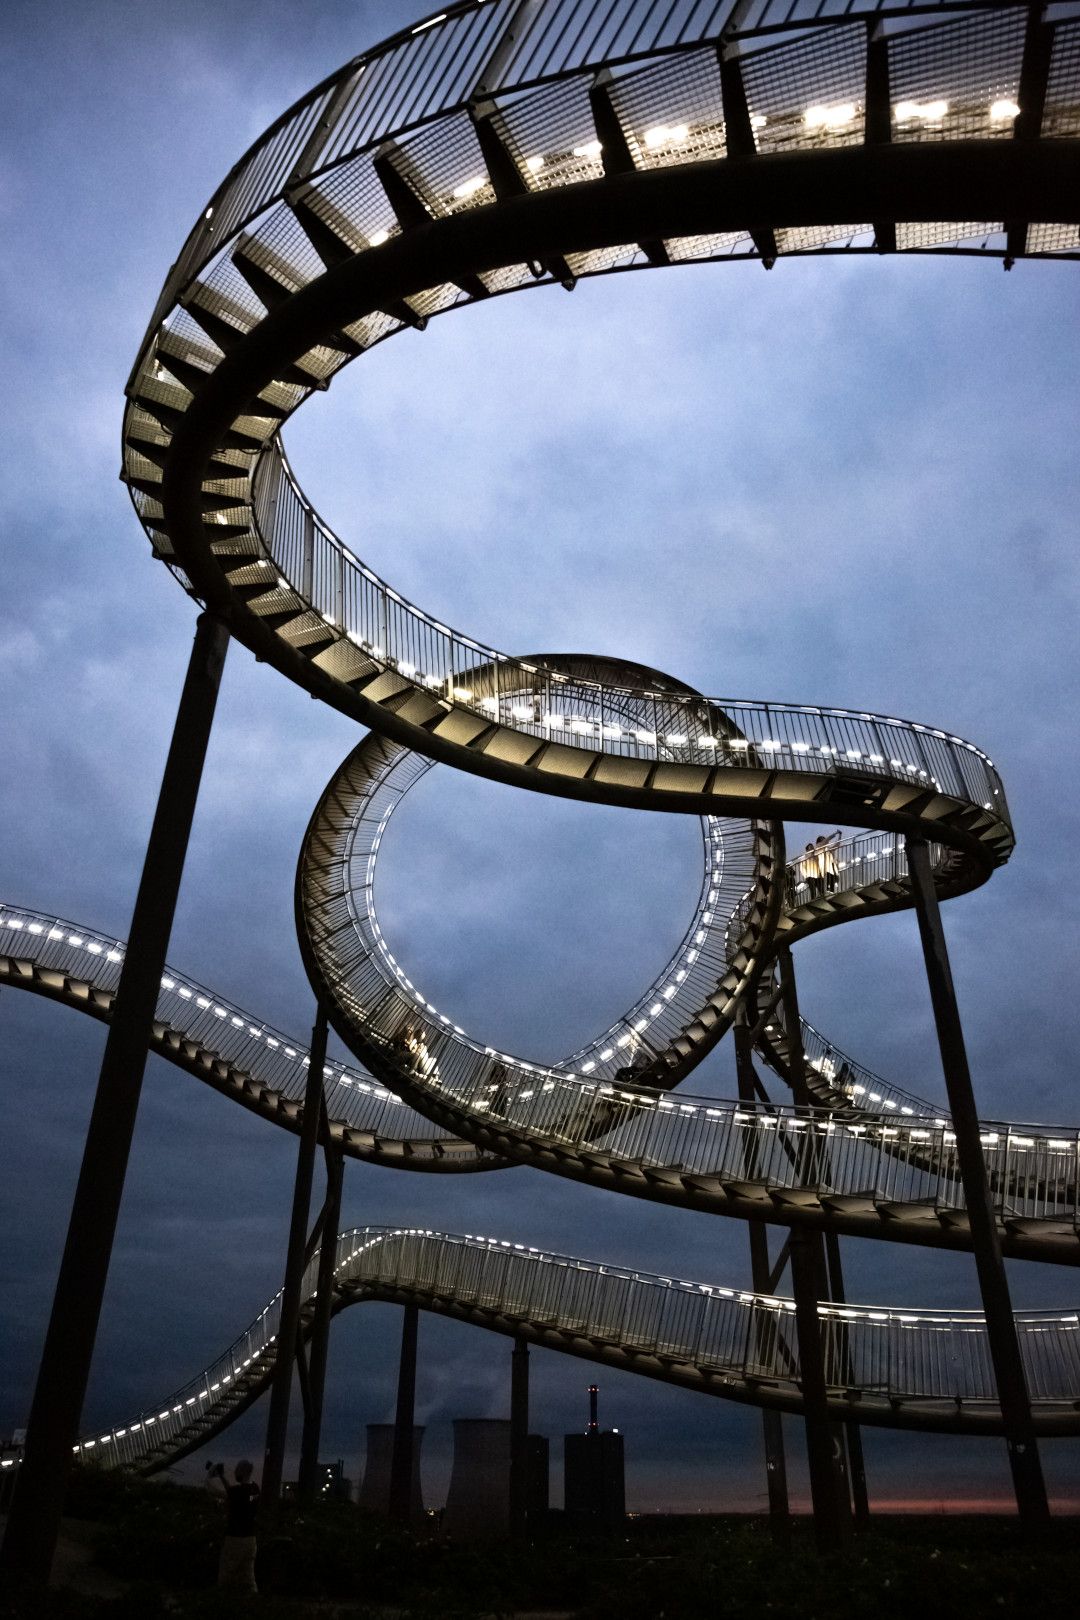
(952, 1506)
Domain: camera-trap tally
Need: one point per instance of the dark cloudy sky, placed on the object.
(847, 482)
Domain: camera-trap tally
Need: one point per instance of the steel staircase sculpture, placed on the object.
(497, 146)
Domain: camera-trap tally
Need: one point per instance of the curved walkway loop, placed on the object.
(233, 1051)
(891, 1169)
(888, 1166)
(903, 1367)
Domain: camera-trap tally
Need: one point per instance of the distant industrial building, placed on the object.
(594, 1479)
(375, 1487)
(478, 1501)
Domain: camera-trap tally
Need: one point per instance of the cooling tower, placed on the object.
(375, 1489)
(478, 1502)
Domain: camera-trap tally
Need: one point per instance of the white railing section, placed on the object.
(881, 1159)
(852, 865)
(364, 794)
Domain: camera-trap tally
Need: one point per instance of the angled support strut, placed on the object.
(324, 1303)
(34, 1522)
(277, 1423)
(763, 1283)
(1028, 1483)
(401, 1461)
(824, 1445)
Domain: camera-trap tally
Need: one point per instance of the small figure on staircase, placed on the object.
(828, 873)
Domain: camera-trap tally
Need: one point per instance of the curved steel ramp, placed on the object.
(226, 1048)
(904, 1368)
(890, 1175)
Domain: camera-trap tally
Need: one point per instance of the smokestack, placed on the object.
(593, 1397)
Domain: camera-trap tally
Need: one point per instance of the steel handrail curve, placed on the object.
(374, 780)
(613, 1129)
(362, 611)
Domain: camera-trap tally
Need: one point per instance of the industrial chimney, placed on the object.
(594, 1488)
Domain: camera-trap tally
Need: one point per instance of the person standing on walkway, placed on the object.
(827, 845)
(810, 871)
(236, 1567)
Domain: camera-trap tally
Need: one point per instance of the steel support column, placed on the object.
(825, 1452)
(401, 1462)
(277, 1422)
(860, 1499)
(320, 1328)
(34, 1522)
(1028, 1483)
(519, 1437)
(771, 1421)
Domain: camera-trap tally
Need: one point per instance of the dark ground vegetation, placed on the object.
(155, 1547)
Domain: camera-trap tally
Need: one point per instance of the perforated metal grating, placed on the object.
(552, 135)
(682, 249)
(947, 233)
(445, 166)
(1053, 239)
(672, 112)
(970, 65)
(811, 93)
(806, 238)
(1061, 113)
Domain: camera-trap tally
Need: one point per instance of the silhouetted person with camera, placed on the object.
(236, 1567)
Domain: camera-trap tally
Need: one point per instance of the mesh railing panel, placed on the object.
(809, 94)
(971, 65)
(249, 1045)
(1061, 110)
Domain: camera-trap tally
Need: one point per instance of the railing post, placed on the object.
(1028, 1483)
(771, 1421)
(825, 1453)
(320, 1328)
(401, 1462)
(34, 1521)
(277, 1422)
(307, 572)
(519, 1437)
